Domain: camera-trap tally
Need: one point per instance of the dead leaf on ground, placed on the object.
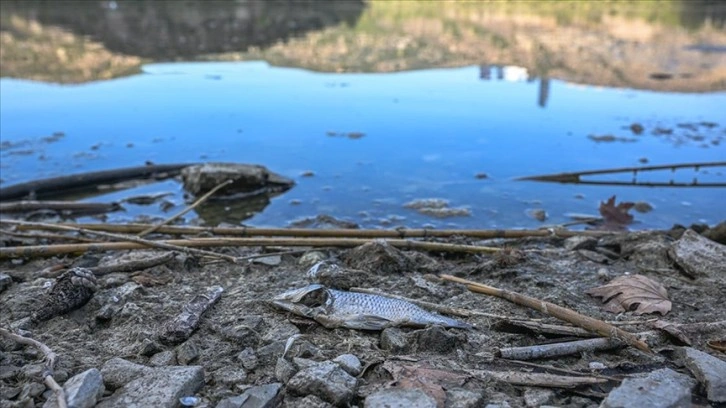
(616, 217)
(431, 381)
(641, 292)
(673, 330)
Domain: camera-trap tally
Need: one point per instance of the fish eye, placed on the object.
(315, 298)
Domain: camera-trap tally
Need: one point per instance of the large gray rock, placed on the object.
(662, 388)
(399, 398)
(263, 396)
(699, 256)
(709, 370)
(82, 390)
(142, 386)
(326, 380)
(246, 178)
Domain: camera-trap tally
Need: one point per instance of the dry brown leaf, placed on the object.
(627, 291)
(616, 216)
(431, 381)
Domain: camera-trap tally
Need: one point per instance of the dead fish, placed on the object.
(334, 308)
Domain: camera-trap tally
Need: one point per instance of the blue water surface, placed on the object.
(426, 134)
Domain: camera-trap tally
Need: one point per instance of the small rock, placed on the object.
(199, 179)
(263, 396)
(143, 386)
(593, 256)
(310, 258)
(247, 358)
(534, 397)
(230, 376)
(636, 128)
(309, 401)
(596, 365)
(537, 214)
(272, 260)
(308, 173)
(642, 207)
(394, 340)
(709, 370)
(5, 281)
(580, 242)
(163, 358)
(662, 388)
(187, 352)
(331, 275)
(481, 176)
(189, 401)
(350, 363)
(378, 257)
(436, 339)
(284, 370)
(325, 380)
(281, 331)
(399, 398)
(463, 398)
(82, 390)
(699, 256)
(31, 390)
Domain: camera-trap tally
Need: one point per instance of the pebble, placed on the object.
(709, 370)
(163, 358)
(325, 380)
(662, 388)
(5, 281)
(247, 358)
(262, 396)
(399, 398)
(580, 242)
(463, 398)
(350, 363)
(394, 340)
(187, 352)
(535, 397)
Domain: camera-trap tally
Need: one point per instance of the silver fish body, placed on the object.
(334, 308)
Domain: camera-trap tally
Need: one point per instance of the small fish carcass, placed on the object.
(334, 308)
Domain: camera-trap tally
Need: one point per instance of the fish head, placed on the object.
(303, 301)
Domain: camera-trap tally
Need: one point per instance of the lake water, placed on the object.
(377, 140)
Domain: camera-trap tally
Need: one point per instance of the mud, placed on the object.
(240, 339)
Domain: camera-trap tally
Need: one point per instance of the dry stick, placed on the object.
(184, 244)
(559, 370)
(562, 349)
(339, 233)
(37, 235)
(562, 313)
(186, 210)
(50, 358)
(537, 379)
(140, 243)
(131, 266)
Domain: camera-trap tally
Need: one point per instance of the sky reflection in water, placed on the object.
(426, 134)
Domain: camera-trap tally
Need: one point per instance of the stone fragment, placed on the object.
(580, 242)
(662, 388)
(309, 401)
(246, 178)
(163, 358)
(535, 397)
(187, 352)
(325, 380)
(262, 396)
(394, 340)
(350, 363)
(378, 257)
(230, 376)
(699, 256)
(437, 339)
(82, 390)
(141, 386)
(247, 358)
(463, 398)
(710, 372)
(5, 281)
(284, 370)
(399, 398)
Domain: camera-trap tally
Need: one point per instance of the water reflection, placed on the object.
(664, 46)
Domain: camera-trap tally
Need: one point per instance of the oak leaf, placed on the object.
(633, 291)
(616, 217)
